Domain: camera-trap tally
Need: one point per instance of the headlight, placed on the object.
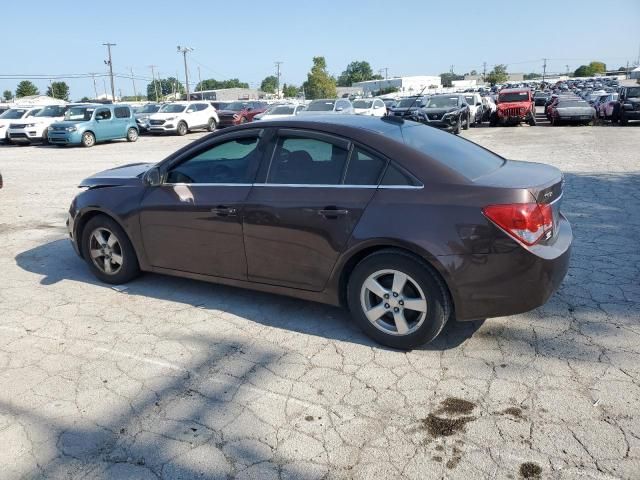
(70, 129)
(28, 125)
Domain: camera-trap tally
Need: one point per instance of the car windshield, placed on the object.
(442, 102)
(461, 155)
(236, 106)
(540, 94)
(172, 108)
(407, 102)
(321, 106)
(362, 103)
(149, 109)
(282, 110)
(79, 113)
(514, 97)
(14, 113)
(52, 111)
(633, 92)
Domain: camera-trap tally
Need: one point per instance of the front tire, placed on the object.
(458, 126)
(132, 135)
(108, 251)
(532, 120)
(182, 129)
(211, 125)
(45, 137)
(398, 299)
(88, 139)
(467, 123)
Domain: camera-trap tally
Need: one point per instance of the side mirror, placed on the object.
(152, 178)
(479, 104)
(339, 109)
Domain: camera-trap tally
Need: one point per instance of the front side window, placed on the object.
(172, 108)
(52, 111)
(103, 114)
(79, 113)
(228, 162)
(363, 169)
(307, 161)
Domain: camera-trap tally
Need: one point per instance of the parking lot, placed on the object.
(173, 378)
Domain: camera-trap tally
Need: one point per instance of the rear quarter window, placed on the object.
(463, 156)
(122, 112)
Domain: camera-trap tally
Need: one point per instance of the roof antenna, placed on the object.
(414, 102)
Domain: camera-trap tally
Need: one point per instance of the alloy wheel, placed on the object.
(105, 251)
(393, 302)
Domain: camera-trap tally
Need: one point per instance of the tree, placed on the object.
(269, 84)
(448, 77)
(213, 84)
(532, 75)
(473, 72)
(85, 99)
(59, 90)
(290, 91)
(357, 71)
(165, 86)
(498, 75)
(26, 88)
(319, 83)
(7, 95)
(591, 69)
(386, 91)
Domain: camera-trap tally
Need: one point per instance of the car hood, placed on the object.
(362, 110)
(513, 104)
(438, 110)
(163, 116)
(229, 112)
(126, 175)
(69, 123)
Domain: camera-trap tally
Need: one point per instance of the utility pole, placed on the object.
(484, 72)
(135, 92)
(278, 77)
(626, 72)
(95, 88)
(567, 70)
(110, 63)
(184, 51)
(451, 70)
(153, 77)
(544, 69)
(200, 82)
(104, 84)
(53, 92)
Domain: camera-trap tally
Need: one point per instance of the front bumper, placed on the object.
(509, 283)
(25, 135)
(71, 229)
(166, 128)
(58, 137)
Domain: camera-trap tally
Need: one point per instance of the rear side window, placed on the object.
(363, 168)
(122, 112)
(103, 114)
(394, 176)
(461, 155)
(307, 161)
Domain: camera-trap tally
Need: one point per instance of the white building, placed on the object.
(35, 100)
(635, 73)
(405, 85)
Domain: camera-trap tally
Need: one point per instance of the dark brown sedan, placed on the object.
(404, 224)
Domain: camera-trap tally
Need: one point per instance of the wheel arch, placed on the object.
(87, 214)
(355, 255)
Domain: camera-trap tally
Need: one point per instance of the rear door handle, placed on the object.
(222, 211)
(332, 212)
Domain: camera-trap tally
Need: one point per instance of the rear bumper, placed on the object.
(502, 284)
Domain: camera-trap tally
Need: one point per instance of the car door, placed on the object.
(202, 113)
(105, 127)
(301, 212)
(121, 121)
(192, 222)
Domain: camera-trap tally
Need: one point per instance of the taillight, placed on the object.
(526, 222)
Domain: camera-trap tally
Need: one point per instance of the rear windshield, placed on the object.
(461, 155)
(321, 106)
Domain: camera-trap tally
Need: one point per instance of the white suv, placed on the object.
(476, 108)
(34, 129)
(12, 116)
(182, 117)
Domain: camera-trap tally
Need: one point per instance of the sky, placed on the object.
(243, 39)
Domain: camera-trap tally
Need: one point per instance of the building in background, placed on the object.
(228, 94)
(404, 86)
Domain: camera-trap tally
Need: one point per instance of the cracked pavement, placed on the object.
(174, 378)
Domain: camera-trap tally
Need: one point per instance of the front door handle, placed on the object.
(333, 212)
(222, 211)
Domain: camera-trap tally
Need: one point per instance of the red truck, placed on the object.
(515, 105)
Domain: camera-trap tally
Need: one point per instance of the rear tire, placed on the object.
(132, 135)
(390, 320)
(623, 119)
(493, 120)
(120, 257)
(532, 120)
